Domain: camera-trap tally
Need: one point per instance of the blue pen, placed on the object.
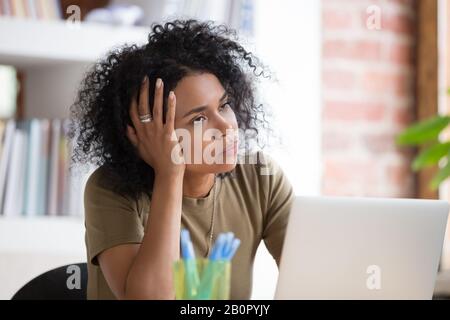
(223, 250)
(228, 243)
(228, 255)
(216, 252)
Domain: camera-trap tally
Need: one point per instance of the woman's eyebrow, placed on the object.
(202, 108)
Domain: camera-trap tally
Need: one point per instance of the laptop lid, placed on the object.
(361, 248)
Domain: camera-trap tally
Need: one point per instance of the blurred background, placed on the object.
(350, 76)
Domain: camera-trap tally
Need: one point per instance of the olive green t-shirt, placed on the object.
(254, 203)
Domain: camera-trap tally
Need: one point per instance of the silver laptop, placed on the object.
(362, 248)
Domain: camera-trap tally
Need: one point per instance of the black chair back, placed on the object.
(68, 282)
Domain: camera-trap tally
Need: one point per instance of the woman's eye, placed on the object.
(199, 119)
(224, 106)
(203, 118)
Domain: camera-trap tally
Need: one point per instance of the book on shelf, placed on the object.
(35, 180)
(32, 9)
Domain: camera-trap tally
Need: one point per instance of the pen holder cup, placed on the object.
(212, 283)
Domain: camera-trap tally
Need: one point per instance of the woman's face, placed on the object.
(206, 124)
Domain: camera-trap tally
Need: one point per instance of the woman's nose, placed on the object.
(223, 124)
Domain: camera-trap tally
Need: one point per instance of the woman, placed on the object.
(138, 116)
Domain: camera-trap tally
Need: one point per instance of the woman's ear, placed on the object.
(132, 136)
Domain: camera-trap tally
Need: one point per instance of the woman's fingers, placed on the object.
(170, 118)
(134, 115)
(144, 108)
(158, 103)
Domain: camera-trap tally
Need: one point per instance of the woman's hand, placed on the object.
(156, 143)
(144, 271)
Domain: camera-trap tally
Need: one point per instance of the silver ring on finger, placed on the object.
(145, 118)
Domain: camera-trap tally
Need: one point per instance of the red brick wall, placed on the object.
(368, 97)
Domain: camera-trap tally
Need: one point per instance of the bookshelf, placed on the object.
(51, 57)
(35, 43)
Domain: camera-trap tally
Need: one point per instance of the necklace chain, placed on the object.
(211, 227)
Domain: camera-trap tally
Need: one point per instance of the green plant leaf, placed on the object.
(431, 156)
(423, 131)
(442, 174)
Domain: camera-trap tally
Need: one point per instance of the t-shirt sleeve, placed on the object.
(110, 219)
(280, 196)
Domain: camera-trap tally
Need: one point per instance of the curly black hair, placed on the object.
(175, 49)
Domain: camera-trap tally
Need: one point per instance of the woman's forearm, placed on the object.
(150, 276)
